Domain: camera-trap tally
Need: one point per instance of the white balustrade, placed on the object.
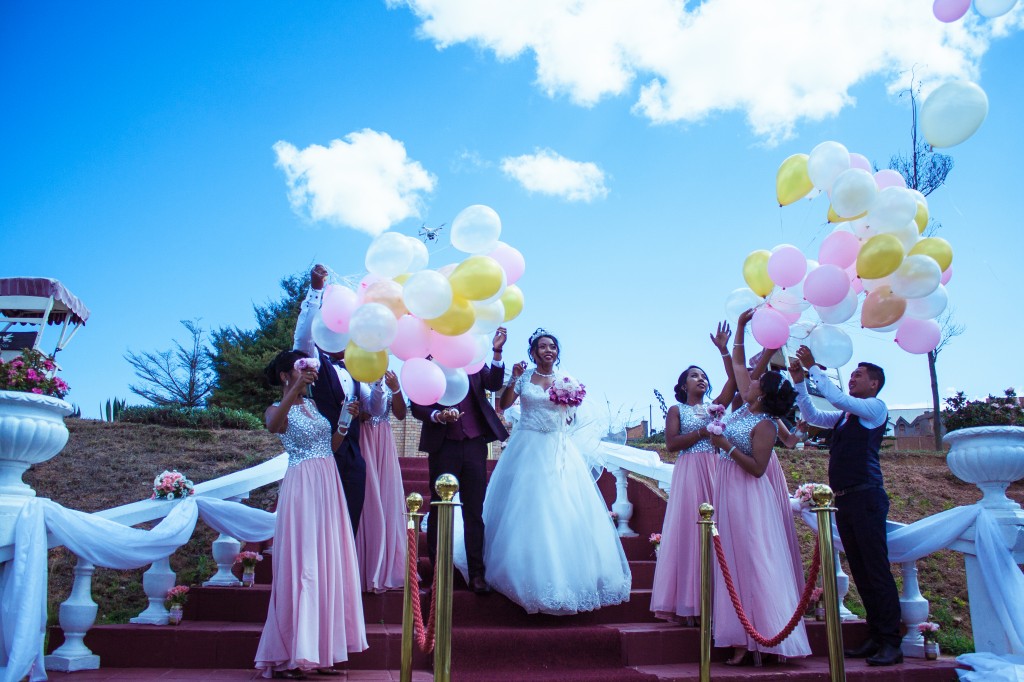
(913, 610)
(225, 549)
(155, 583)
(622, 506)
(77, 615)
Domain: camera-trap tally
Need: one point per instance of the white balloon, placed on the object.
(489, 317)
(953, 112)
(740, 300)
(840, 312)
(420, 256)
(893, 207)
(907, 234)
(916, 277)
(427, 294)
(872, 284)
(862, 229)
(476, 229)
(853, 192)
(789, 300)
(826, 162)
(928, 307)
(830, 346)
(373, 326)
(993, 8)
(326, 339)
(483, 345)
(801, 329)
(456, 386)
(389, 255)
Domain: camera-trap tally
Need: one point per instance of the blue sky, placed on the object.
(141, 171)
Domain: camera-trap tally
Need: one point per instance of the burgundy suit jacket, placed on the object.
(432, 435)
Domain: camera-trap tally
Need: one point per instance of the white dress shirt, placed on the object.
(872, 411)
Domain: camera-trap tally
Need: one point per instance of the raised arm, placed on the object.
(303, 339)
(510, 395)
(808, 411)
(739, 355)
(397, 399)
(721, 341)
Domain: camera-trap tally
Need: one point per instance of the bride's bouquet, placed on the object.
(716, 412)
(567, 391)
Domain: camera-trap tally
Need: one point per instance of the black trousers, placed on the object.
(352, 469)
(860, 518)
(467, 461)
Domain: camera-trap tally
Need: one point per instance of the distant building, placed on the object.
(637, 431)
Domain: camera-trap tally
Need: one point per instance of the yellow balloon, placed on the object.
(458, 319)
(792, 183)
(921, 218)
(755, 272)
(403, 278)
(513, 302)
(879, 256)
(476, 278)
(364, 365)
(881, 308)
(936, 247)
(834, 217)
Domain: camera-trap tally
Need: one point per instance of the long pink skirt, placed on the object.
(315, 617)
(752, 528)
(381, 539)
(777, 476)
(676, 590)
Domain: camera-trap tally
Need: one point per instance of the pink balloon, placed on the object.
(787, 265)
(412, 338)
(950, 10)
(475, 367)
(855, 283)
(453, 351)
(770, 328)
(790, 317)
(422, 381)
(839, 248)
(826, 285)
(337, 307)
(947, 275)
(860, 161)
(511, 261)
(918, 336)
(889, 178)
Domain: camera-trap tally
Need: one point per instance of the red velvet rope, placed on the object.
(805, 599)
(424, 635)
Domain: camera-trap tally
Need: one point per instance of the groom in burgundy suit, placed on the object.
(455, 440)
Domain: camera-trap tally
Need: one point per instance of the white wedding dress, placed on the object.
(550, 545)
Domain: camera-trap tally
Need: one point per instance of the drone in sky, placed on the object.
(429, 234)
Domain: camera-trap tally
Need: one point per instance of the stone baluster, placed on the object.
(156, 582)
(622, 506)
(225, 549)
(77, 615)
(914, 611)
(842, 588)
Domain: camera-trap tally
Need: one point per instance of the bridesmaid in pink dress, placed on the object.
(381, 539)
(315, 617)
(753, 526)
(676, 593)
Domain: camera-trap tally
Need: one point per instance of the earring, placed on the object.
(760, 398)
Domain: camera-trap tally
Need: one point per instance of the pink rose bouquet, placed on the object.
(567, 391)
(171, 485)
(655, 539)
(177, 595)
(928, 631)
(308, 363)
(717, 426)
(248, 559)
(805, 494)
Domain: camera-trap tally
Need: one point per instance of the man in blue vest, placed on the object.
(862, 504)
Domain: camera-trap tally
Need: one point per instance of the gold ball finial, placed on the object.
(706, 511)
(414, 502)
(446, 486)
(822, 495)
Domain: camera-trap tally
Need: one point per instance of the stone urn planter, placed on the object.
(32, 430)
(990, 457)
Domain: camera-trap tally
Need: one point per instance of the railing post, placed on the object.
(225, 549)
(913, 610)
(413, 503)
(77, 615)
(622, 506)
(823, 508)
(155, 582)
(707, 528)
(446, 487)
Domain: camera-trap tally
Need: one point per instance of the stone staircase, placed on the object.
(493, 639)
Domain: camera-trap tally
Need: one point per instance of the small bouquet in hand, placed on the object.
(170, 485)
(567, 391)
(805, 495)
(308, 363)
(716, 412)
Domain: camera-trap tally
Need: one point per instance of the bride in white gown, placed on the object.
(550, 544)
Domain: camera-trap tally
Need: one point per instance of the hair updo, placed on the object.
(777, 394)
(535, 338)
(680, 389)
(282, 362)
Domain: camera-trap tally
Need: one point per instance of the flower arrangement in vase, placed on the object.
(929, 631)
(33, 372)
(819, 608)
(655, 540)
(171, 485)
(248, 560)
(176, 598)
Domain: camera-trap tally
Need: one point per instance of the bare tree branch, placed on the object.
(183, 377)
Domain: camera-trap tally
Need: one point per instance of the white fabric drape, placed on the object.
(988, 667)
(101, 542)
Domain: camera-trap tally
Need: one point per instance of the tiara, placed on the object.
(539, 333)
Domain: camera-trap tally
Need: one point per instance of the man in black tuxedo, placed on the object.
(455, 440)
(332, 386)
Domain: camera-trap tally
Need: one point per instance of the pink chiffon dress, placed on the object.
(381, 539)
(676, 592)
(315, 617)
(753, 529)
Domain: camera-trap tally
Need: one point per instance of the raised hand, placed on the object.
(805, 356)
(796, 371)
(518, 369)
(721, 337)
(318, 277)
(391, 381)
(500, 336)
(745, 317)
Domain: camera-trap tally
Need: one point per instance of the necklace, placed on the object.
(542, 374)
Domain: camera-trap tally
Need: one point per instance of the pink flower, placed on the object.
(655, 538)
(37, 391)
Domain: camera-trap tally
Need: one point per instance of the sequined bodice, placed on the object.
(739, 426)
(538, 412)
(691, 418)
(306, 437)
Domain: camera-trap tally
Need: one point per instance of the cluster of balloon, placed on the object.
(875, 259)
(953, 10)
(413, 312)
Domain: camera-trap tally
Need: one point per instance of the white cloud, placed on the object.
(778, 62)
(548, 172)
(366, 181)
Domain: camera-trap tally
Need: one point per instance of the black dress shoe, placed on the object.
(868, 648)
(887, 655)
(478, 585)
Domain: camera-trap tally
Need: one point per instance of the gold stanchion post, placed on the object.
(446, 486)
(413, 502)
(707, 527)
(823, 497)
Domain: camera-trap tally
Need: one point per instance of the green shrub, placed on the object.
(961, 413)
(178, 417)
